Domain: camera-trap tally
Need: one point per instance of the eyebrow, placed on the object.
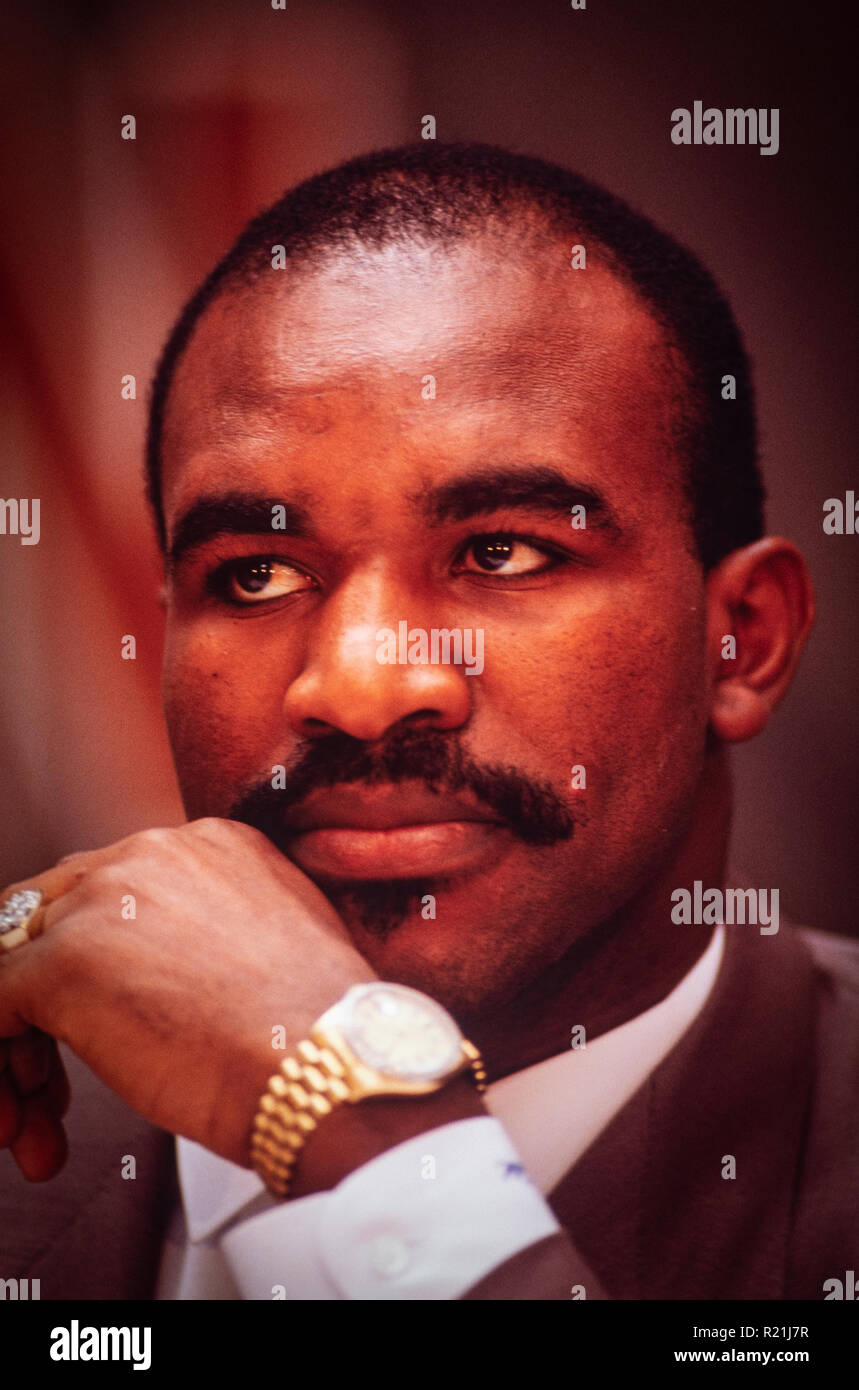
(537, 488)
(237, 514)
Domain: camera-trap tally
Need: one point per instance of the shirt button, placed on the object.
(389, 1256)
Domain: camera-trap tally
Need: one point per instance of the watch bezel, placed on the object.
(343, 1017)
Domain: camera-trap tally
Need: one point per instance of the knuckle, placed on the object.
(240, 831)
(211, 825)
(77, 874)
(156, 835)
(143, 844)
(227, 831)
(76, 856)
(107, 875)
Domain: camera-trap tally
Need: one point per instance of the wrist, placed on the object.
(380, 1066)
(355, 1134)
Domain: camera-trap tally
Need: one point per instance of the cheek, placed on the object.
(624, 694)
(642, 713)
(220, 721)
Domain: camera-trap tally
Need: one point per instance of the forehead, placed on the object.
(528, 358)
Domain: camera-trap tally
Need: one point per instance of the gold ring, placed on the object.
(21, 918)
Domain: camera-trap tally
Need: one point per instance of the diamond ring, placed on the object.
(21, 918)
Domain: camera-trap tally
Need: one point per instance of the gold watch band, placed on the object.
(475, 1061)
(298, 1096)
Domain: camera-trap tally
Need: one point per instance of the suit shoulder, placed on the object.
(826, 1219)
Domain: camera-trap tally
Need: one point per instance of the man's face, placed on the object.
(429, 503)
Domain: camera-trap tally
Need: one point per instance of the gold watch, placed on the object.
(380, 1039)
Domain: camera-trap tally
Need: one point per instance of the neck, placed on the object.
(626, 964)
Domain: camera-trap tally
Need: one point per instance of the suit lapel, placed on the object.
(647, 1204)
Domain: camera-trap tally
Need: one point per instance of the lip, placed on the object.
(409, 851)
(388, 833)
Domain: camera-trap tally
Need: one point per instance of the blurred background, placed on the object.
(103, 239)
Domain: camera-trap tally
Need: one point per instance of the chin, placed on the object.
(460, 964)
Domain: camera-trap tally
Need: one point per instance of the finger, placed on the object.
(41, 1148)
(30, 1060)
(53, 1096)
(27, 983)
(61, 878)
(11, 1113)
(57, 1088)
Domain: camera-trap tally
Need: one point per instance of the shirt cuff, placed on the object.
(425, 1220)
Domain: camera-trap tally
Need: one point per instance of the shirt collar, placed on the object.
(552, 1110)
(555, 1109)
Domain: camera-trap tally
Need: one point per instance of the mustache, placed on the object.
(531, 809)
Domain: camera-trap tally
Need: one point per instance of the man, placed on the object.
(453, 463)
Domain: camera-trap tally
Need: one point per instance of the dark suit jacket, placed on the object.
(768, 1074)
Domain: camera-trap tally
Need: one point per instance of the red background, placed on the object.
(104, 238)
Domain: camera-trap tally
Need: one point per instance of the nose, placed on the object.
(344, 686)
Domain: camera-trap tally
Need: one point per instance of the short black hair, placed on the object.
(443, 193)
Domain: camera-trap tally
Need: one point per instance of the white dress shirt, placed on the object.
(430, 1217)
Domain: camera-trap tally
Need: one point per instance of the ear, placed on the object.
(762, 596)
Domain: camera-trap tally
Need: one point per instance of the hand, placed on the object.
(173, 1008)
(34, 1096)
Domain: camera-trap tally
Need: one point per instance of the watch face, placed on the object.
(401, 1032)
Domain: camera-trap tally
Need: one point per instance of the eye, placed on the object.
(505, 555)
(257, 579)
